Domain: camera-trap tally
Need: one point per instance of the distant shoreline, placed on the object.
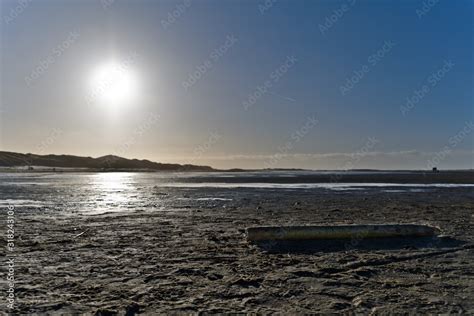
(18, 162)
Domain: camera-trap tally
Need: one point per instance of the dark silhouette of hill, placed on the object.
(11, 159)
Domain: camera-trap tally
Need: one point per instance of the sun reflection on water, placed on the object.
(112, 191)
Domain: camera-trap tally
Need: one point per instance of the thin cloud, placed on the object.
(329, 155)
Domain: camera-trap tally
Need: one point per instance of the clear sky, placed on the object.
(254, 84)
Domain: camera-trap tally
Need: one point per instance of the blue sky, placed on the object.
(292, 59)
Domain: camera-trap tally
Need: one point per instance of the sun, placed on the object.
(113, 84)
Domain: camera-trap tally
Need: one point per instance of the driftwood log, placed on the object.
(339, 232)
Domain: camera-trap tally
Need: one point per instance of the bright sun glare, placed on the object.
(114, 84)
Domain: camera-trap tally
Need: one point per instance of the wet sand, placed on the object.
(190, 255)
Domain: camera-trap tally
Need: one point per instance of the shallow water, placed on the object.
(96, 193)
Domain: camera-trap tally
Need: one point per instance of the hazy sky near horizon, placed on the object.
(253, 84)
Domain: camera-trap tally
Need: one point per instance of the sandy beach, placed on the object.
(185, 251)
